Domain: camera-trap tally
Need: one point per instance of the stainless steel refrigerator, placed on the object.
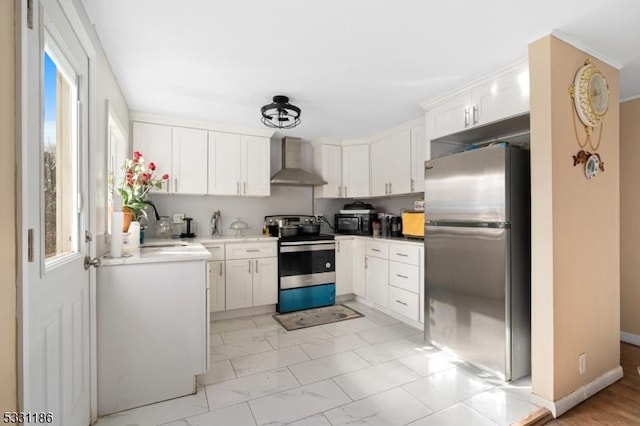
(477, 258)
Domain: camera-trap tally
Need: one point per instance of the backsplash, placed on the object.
(252, 210)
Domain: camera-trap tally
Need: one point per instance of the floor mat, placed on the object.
(317, 316)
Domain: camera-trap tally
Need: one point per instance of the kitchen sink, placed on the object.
(158, 244)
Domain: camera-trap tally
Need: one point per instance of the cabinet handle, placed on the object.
(346, 194)
(253, 250)
(376, 250)
(402, 276)
(238, 188)
(412, 185)
(390, 189)
(466, 117)
(337, 246)
(366, 263)
(244, 185)
(475, 115)
(402, 303)
(339, 191)
(386, 188)
(175, 185)
(402, 254)
(220, 268)
(257, 266)
(249, 271)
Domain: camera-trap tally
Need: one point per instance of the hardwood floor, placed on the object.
(618, 404)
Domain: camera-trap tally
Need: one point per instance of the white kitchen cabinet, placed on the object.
(420, 152)
(344, 267)
(239, 165)
(355, 171)
(178, 151)
(189, 161)
(265, 281)
(154, 141)
(391, 164)
(239, 284)
(327, 162)
(217, 283)
(358, 264)
(252, 275)
(498, 96)
(377, 280)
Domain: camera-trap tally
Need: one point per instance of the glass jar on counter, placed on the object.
(163, 227)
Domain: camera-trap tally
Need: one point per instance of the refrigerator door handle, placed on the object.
(458, 224)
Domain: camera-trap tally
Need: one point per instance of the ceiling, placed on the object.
(354, 67)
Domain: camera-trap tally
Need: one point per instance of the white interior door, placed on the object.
(55, 345)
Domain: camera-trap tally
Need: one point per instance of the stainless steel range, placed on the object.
(306, 263)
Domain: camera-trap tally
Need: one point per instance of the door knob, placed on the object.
(88, 262)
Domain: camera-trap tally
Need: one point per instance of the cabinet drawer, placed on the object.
(404, 253)
(404, 302)
(404, 276)
(216, 250)
(377, 249)
(251, 250)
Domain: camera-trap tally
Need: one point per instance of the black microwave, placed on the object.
(355, 223)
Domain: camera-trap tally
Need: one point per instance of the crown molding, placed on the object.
(198, 124)
(586, 49)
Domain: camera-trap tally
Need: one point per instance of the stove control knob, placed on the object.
(327, 265)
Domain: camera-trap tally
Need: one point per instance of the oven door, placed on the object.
(306, 263)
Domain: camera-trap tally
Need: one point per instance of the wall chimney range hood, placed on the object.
(292, 173)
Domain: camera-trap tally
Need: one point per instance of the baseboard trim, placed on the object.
(634, 339)
(581, 394)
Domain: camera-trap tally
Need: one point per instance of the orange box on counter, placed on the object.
(413, 224)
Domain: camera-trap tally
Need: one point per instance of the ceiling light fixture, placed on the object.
(280, 114)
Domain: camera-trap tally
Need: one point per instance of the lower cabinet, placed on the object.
(217, 282)
(377, 280)
(265, 281)
(344, 268)
(251, 275)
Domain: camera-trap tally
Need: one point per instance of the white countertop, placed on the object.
(231, 239)
(167, 250)
(395, 240)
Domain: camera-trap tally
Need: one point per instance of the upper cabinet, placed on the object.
(178, 151)
(239, 165)
(391, 164)
(327, 162)
(189, 165)
(202, 161)
(154, 142)
(355, 171)
(345, 168)
(420, 152)
(501, 95)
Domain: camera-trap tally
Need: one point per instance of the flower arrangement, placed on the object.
(138, 180)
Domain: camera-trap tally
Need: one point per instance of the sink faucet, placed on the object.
(157, 216)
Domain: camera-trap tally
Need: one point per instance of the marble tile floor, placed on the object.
(373, 370)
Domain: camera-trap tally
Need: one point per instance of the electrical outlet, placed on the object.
(178, 217)
(582, 363)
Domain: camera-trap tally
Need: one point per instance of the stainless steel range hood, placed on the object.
(292, 173)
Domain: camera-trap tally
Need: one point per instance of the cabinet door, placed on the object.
(256, 166)
(216, 286)
(377, 280)
(503, 97)
(359, 287)
(239, 287)
(451, 116)
(189, 155)
(327, 162)
(398, 159)
(420, 148)
(344, 267)
(224, 163)
(379, 169)
(154, 142)
(355, 171)
(265, 281)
